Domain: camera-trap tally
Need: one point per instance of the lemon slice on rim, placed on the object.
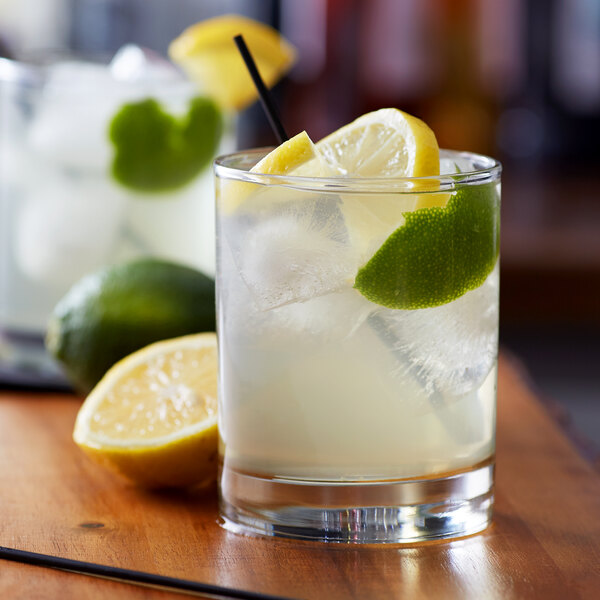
(153, 416)
(208, 55)
(286, 159)
(384, 143)
(387, 143)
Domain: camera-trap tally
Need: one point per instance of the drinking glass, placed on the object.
(341, 419)
(63, 213)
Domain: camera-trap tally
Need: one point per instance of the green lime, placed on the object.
(155, 151)
(113, 312)
(438, 254)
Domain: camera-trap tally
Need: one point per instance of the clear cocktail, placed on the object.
(358, 322)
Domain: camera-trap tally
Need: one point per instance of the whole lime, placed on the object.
(119, 309)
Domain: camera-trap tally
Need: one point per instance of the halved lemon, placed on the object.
(153, 416)
(208, 55)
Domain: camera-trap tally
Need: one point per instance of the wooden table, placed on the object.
(544, 543)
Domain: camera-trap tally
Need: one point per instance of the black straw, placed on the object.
(263, 92)
(129, 576)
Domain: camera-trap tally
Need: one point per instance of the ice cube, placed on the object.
(134, 63)
(74, 76)
(456, 164)
(70, 125)
(258, 342)
(448, 166)
(66, 228)
(299, 251)
(324, 319)
(451, 348)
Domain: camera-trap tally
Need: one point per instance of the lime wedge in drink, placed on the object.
(438, 254)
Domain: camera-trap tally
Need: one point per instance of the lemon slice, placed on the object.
(208, 55)
(384, 143)
(387, 143)
(286, 159)
(153, 416)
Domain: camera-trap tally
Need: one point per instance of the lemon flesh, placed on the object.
(153, 416)
(208, 55)
(387, 143)
(286, 159)
(384, 143)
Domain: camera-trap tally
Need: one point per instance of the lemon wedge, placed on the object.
(286, 159)
(208, 55)
(153, 416)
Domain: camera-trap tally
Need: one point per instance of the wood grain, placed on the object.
(544, 543)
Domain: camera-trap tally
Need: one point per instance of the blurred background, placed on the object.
(517, 79)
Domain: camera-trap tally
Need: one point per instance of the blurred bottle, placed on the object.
(321, 92)
(397, 64)
(460, 110)
(436, 59)
(574, 81)
(554, 115)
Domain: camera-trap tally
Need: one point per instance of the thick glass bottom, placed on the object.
(373, 512)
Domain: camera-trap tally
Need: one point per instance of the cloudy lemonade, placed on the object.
(358, 323)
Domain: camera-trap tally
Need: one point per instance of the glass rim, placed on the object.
(15, 71)
(35, 74)
(224, 167)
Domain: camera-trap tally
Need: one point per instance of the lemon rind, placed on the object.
(82, 434)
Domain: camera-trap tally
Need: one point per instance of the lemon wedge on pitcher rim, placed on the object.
(153, 416)
(208, 55)
(387, 143)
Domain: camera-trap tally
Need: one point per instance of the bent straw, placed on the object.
(129, 576)
(263, 93)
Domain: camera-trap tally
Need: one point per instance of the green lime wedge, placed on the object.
(155, 151)
(438, 254)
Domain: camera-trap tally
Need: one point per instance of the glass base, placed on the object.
(24, 362)
(392, 511)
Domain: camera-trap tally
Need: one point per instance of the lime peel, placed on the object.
(155, 151)
(438, 255)
(114, 311)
